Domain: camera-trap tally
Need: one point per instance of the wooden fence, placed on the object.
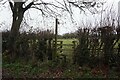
(72, 47)
(61, 45)
(67, 50)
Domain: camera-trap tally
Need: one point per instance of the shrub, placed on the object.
(82, 52)
(30, 45)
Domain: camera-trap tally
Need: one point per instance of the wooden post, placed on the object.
(61, 42)
(56, 32)
(74, 44)
(49, 49)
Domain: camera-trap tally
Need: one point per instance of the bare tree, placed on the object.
(19, 8)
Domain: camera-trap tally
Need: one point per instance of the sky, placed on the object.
(34, 18)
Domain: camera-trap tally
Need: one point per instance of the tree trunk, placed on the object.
(17, 19)
(18, 13)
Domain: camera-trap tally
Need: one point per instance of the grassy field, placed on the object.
(67, 47)
(68, 50)
(67, 41)
(46, 70)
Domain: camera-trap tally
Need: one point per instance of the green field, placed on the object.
(67, 48)
(67, 41)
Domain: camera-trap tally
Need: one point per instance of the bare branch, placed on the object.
(28, 6)
(92, 5)
(66, 6)
(53, 11)
(60, 3)
(11, 6)
(76, 5)
(39, 9)
(2, 2)
(43, 3)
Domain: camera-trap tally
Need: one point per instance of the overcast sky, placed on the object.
(35, 19)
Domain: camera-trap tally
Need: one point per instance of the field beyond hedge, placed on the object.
(49, 69)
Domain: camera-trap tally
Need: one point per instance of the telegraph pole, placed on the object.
(56, 33)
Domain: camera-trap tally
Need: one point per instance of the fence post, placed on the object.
(61, 42)
(73, 44)
(49, 52)
(56, 32)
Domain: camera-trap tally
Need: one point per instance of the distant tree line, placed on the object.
(68, 36)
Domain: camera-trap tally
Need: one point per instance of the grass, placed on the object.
(49, 69)
(67, 41)
(68, 50)
(68, 47)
